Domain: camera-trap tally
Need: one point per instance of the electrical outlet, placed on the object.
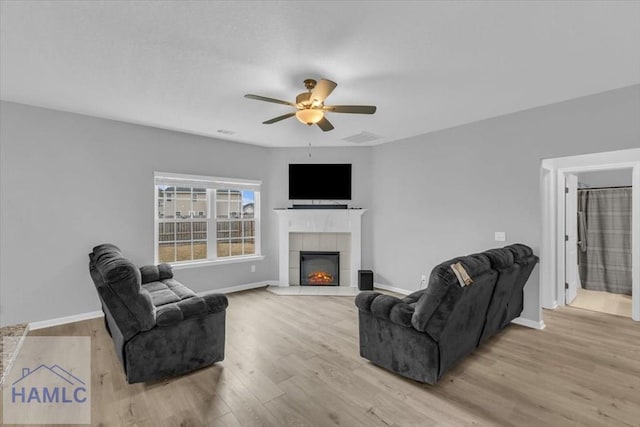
(253, 268)
(500, 236)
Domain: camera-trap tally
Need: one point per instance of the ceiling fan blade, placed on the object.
(353, 109)
(266, 99)
(277, 119)
(325, 125)
(323, 89)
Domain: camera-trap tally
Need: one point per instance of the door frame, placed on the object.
(552, 181)
(570, 247)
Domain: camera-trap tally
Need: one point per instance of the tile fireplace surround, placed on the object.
(319, 230)
(320, 242)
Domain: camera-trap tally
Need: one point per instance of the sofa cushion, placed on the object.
(444, 291)
(524, 257)
(503, 262)
(520, 251)
(199, 305)
(154, 273)
(172, 313)
(414, 297)
(500, 258)
(105, 250)
(167, 291)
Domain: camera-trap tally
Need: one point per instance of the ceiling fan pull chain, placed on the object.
(309, 148)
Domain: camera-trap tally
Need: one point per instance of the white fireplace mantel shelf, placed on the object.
(319, 221)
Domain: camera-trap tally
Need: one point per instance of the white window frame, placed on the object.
(211, 184)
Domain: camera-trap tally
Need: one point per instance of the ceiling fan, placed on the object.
(310, 105)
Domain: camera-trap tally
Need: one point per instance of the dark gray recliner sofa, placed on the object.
(424, 334)
(159, 327)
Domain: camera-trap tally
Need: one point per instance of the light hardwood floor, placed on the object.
(604, 302)
(294, 361)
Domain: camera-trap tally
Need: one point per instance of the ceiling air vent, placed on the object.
(361, 137)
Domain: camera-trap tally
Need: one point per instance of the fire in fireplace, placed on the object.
(319, 268)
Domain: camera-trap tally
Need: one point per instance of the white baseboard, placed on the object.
(245, 287)
(529, 323)
(392, 289)
(64, 320)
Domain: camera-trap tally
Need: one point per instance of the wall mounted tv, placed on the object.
(320, 181)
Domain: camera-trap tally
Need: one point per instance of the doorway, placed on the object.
(598, 256)
(560, 284)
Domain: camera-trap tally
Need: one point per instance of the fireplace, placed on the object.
(337, 230)
(319, 268)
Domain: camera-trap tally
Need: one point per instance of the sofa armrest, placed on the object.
(385, 307)
(364, 299)
(201, 305)
(215, 301)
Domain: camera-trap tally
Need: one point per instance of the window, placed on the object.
(202, 218)
(235, 222)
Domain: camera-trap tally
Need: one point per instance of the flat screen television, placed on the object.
(320, 181)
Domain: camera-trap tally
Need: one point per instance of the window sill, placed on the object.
(221, 261)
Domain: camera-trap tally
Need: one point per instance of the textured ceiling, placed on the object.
(426, 65)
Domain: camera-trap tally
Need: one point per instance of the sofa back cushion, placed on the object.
(452, 315)
(155, 273)
(443, 293)
(526, 260)
(503, 262)
(118, 282)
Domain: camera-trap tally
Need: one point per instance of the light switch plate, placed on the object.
(500, 236)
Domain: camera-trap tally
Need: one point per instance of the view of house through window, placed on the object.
(235, 223)
(199, 223)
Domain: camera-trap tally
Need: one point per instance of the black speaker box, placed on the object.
(365, 280)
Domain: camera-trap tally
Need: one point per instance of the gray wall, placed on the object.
(69, 182)
(444, 194)
(607, 178)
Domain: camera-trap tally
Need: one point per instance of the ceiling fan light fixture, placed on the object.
(309, 106)
(309, 116)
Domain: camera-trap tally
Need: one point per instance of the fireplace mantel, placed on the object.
(319, 221)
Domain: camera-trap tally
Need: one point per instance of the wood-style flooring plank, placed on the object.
(294, 361)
